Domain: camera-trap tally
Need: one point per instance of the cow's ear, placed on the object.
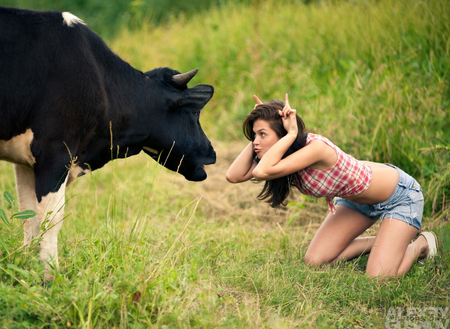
(195, 98)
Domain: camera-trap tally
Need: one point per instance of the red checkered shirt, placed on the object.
(346, 178)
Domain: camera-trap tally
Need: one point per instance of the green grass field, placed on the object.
(143, 248)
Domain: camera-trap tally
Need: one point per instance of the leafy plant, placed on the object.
(25, 214)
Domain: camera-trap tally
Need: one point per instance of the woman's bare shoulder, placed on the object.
(326, 154)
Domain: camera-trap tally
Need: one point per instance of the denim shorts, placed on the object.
(405, 204)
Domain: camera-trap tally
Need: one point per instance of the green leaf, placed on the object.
(5, 247)
(14, 267)
(9, 198)
(3, 216)
(24, 214)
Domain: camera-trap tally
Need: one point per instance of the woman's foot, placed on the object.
(429, 250)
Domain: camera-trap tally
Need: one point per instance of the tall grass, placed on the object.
(146, 249)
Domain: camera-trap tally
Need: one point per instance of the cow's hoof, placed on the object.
(48, 277)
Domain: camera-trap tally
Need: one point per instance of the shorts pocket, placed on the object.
(415, 196)
(411, 184)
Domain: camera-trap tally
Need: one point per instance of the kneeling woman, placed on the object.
(284, 155)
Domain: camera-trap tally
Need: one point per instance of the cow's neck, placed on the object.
(121, 133)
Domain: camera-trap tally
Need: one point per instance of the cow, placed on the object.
(69, 105)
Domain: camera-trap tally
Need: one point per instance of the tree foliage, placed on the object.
(107, 17)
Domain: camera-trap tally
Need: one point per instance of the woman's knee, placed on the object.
(314, 259)
(381, 273)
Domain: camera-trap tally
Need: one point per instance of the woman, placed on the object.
(284, 155)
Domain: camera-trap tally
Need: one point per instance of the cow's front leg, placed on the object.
(51, 214)
(52, 165)
(26, 196)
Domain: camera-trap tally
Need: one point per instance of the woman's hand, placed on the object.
(289, 117)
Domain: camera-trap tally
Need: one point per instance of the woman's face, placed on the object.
(265, 137)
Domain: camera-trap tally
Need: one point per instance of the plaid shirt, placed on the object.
(346, 178)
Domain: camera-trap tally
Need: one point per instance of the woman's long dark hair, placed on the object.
(275, 191)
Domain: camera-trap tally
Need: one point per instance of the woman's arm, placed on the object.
(241, 168)
(272, 166)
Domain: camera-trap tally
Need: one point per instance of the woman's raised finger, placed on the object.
(286, 100)
(257, 100)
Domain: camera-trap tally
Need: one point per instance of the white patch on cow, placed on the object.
(26, 195)
(151, 150)
(75, 172)
(51, 214)
(17, 149)
(70, 20)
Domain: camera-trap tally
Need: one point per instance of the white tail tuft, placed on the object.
(70, 20)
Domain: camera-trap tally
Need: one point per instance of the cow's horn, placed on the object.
(183, 78)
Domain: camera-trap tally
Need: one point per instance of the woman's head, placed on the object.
(267, 116)
(268, 113)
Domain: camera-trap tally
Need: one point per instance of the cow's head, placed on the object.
(177, 140)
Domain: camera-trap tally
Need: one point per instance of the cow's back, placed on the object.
(24, 63)
(46, 70)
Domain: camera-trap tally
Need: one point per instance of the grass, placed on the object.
(147, 249)
(154, 251)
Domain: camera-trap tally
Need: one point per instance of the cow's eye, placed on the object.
(197, 113)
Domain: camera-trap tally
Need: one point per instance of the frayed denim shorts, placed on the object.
(405, 204)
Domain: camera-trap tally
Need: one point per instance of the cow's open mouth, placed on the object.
(191, 171)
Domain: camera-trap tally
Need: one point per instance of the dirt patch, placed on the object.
(222, 200)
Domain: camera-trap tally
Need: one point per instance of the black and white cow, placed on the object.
(69, 105)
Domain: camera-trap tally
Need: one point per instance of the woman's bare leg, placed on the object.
(391, 250)
(392, 253)
(336, 238)
(357, 247)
